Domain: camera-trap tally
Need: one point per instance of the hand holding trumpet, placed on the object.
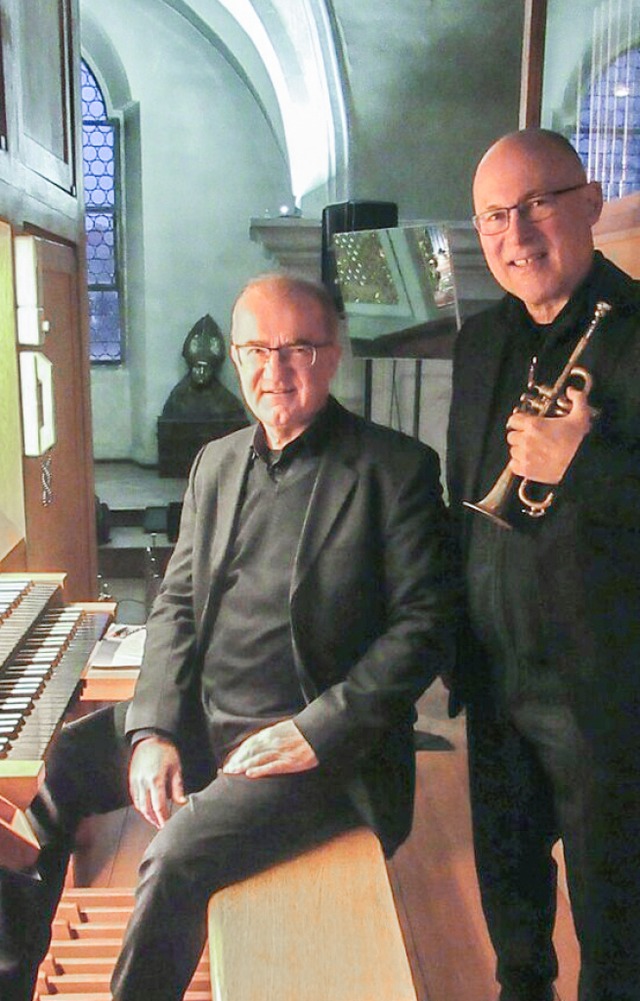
(543, 434)
(542, 448)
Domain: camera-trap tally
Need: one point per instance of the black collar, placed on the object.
(604, 281)
(310, 442)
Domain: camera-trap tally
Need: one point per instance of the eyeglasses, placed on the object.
(297, 356)
(534, 209)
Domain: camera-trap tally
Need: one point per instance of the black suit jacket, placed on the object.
(370, 605)
(589, 541)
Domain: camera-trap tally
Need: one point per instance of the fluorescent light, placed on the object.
(36, 389)
(31, 325)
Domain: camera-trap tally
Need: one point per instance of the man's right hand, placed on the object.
(542, 448)
(155, 779)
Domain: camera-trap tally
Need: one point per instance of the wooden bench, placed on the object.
(320, 927)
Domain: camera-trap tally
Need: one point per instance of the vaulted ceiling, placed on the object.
(335, 78)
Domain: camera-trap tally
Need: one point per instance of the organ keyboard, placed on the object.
(44, 649)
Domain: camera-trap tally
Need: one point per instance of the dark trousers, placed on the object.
(533, 780)
(230, 828)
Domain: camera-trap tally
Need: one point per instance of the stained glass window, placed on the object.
(100, 148)
(608, 139)
(591, 88)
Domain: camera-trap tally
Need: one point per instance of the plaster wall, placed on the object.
(395, 404)
(428, 85)
(208, 162)
(432, 84)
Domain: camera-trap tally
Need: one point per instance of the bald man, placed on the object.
(305, 608)
(550, 665)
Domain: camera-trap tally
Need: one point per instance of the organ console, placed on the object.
(45, 646)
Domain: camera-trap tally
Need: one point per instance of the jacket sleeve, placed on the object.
(603, 479)
(168, 666)
(415, 644)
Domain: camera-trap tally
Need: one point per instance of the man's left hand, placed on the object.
(277, 750)
(542, 448)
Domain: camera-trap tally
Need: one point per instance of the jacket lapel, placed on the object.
(335, 480)
(485, 381)
(231, 477)
(334, 484)
(230, 481)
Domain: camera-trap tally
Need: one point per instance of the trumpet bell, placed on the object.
(489, 512)
(494, 504)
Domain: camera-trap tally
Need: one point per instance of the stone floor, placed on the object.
(127, 486)
(137, 499)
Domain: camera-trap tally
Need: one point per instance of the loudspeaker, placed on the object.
(344, 217)
(174, 512)
(103, 521)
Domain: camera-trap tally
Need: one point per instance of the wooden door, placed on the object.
(59, 492)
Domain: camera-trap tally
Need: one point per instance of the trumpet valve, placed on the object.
(535, 400)
(561, 408)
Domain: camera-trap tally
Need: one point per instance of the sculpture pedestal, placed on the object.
(180, 439)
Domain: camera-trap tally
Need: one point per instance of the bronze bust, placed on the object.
(199, 395)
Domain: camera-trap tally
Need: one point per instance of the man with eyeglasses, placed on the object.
(307, 605)
(549, 664)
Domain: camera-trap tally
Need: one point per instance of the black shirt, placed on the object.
(504, 579)
(249, 676)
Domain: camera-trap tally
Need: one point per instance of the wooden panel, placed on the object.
(40, 159)
(16, 560)
(104, 685)
(617, 233)
(20, 780)
(12, 518)
(535, 20)
(61, 523)
(47, 139)
(319, 926)
(3, 93)
(19, 847)
(437, 895)
(109, 849)
(435, 885)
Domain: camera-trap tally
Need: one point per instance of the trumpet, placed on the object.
(544, 401)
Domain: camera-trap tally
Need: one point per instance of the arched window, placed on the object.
(101, 194)
(608, 139)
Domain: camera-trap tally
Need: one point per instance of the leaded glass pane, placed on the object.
(93, 106)
(104, 325)
(608, 139)
(99, 164)
(99, 137)
(101, 263)
(591, 87)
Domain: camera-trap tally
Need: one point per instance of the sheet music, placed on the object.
(122, 646)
